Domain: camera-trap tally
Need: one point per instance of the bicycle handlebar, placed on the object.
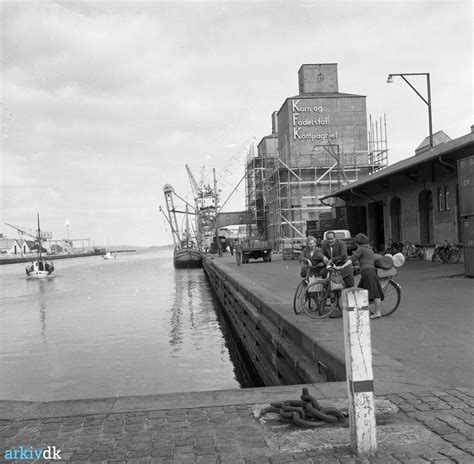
(309, 263)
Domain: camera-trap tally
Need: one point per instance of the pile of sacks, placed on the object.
(387, 265)
(387, 261)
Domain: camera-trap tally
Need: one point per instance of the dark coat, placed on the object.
(339, 255)
(316, 260)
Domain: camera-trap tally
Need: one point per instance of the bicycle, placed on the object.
(393, 247)
(297, 306)
(320, 297)
(392, 291)
(412, 251)
(446, 253)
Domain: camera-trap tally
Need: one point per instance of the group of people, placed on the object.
(334, 252)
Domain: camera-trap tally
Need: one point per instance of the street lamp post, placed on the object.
(428, 102)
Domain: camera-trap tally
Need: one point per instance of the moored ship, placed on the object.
(186, 253)
(187, 258)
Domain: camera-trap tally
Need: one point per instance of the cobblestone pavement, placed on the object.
(435, 427)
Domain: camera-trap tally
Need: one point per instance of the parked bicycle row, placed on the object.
(446, 253)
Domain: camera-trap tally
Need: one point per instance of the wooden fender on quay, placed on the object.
(276, 358)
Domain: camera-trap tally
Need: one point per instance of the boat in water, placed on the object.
(109, 255)
(39, 268)
(186, 253)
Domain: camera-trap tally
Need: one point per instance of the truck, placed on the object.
(344, 236)
(255, 248)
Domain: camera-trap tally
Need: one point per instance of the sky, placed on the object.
(105, 102)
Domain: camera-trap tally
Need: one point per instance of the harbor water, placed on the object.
(104, 328)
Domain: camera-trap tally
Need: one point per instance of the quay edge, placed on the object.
(280, 352)
(287, 348)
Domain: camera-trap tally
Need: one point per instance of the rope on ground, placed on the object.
(306, 412)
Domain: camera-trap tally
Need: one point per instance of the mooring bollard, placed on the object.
(360, 383)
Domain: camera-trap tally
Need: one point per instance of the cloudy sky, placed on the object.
(105, 102)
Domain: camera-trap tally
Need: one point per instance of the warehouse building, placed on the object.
(425, 199)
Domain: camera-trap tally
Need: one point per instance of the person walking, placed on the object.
(238, 253)
(368, 275)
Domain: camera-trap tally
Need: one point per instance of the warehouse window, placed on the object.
(440, 199)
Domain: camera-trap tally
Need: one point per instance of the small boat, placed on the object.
(109, 255)
(40, 268)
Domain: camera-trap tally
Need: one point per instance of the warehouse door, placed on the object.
(425, 208)
(395, 221)
(376, 225)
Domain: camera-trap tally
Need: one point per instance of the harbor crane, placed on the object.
(31, 232)
(206, 199)
(46, 236)
(171, 218)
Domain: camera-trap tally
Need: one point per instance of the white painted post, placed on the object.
(360, 383)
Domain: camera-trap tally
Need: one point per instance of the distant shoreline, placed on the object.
(100, 252)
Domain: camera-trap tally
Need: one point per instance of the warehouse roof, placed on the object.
(443, 151)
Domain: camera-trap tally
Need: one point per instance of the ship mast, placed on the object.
(39, 237)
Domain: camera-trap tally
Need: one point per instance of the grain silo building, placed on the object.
(319, 143)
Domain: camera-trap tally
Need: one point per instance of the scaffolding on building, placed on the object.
(256, 199)
(285, 197)
(378, 145)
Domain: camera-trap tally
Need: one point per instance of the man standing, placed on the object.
(335, 250)
(238, 253)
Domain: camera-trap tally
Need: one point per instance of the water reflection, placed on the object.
(41, 289)
(176, 324)
(187, 298)
(43, 321)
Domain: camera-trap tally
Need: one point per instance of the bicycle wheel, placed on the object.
(453, 256)
(419, 253)
(297, 299)
(435, 257)
(319, 304)
(392, 297)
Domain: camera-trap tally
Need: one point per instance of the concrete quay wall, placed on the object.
(281, 353)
